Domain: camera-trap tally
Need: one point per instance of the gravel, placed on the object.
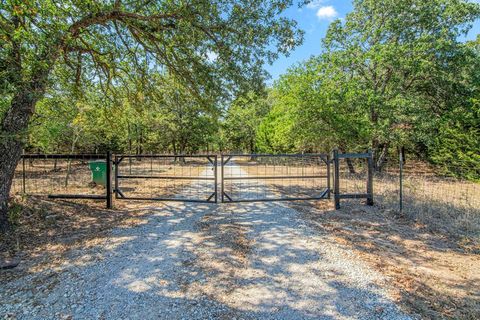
(207, 261)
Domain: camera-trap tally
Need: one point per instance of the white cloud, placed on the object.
(314, 4)
(327, 12)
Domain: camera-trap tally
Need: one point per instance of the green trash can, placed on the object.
(99, 172)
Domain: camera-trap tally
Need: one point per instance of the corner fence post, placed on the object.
(370, 179)
(336, 179)
(109, 180)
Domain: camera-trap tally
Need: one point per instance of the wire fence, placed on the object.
(411, 187)
(435, 195)
(57, 174)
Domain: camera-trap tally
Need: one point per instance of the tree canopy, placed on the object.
(213, 48)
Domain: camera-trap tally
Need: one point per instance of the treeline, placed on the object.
(157, 114)
(393, 75)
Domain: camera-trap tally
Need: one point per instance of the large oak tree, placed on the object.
(208, 44)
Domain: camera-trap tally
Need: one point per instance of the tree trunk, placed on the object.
(350, 165)
(382, 158)
(252, 150)
(13, 128)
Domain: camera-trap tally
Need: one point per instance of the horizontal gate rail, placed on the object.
(305, 161)
(353, 155)
(65, 156)
(176, 161)
(163, 177)
(274, 177)
(77, 196)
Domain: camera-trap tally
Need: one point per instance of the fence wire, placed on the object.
(166, 177)
(49, 176)
(429, 194)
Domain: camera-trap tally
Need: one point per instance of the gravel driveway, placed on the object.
(206, 261)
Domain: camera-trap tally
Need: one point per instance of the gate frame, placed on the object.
(369, 192)
(325, 194)
(120, 196)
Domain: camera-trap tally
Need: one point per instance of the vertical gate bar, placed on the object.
(222, 177)
(109, 180)
(23, 173)
(328, 176)
(115, 172)
(336, 181)
(401, 181)
(370, 179)
(216, 179)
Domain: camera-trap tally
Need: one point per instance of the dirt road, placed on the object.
(207, 261)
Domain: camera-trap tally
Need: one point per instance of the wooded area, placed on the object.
(185, 78)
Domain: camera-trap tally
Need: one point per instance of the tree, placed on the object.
(243, 119)
(393, 74)
(105, 40)
(182, 122)
(311, 112)
(404, 58)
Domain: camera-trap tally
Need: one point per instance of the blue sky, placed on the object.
(314, 20)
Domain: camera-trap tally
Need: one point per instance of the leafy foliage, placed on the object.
(393, 75)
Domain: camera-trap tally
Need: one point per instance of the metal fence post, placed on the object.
(115, 174)
(328, 176)
(222, 177)
(216, 178)
(336, 179)
(23, 173)
(370, 179)
(109, 180)
(401, 182)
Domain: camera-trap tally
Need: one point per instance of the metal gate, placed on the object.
(267, 177)
(244, 177)
(166, 177)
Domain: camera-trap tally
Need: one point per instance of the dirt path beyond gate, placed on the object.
(205, 261)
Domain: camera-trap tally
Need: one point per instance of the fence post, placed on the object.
(109, 180)
(401, 182)
(328, 176)
(115, 174)
(336, 179)
(23, 173)
(370, 179)
(222, 177)
(216, 177)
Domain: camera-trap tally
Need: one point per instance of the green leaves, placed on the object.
(243, 119)
(393, 74)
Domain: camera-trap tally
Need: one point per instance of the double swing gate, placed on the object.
(204, 178)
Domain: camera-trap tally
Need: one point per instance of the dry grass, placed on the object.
(430, 274)
(430, 252)
(443, 204)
